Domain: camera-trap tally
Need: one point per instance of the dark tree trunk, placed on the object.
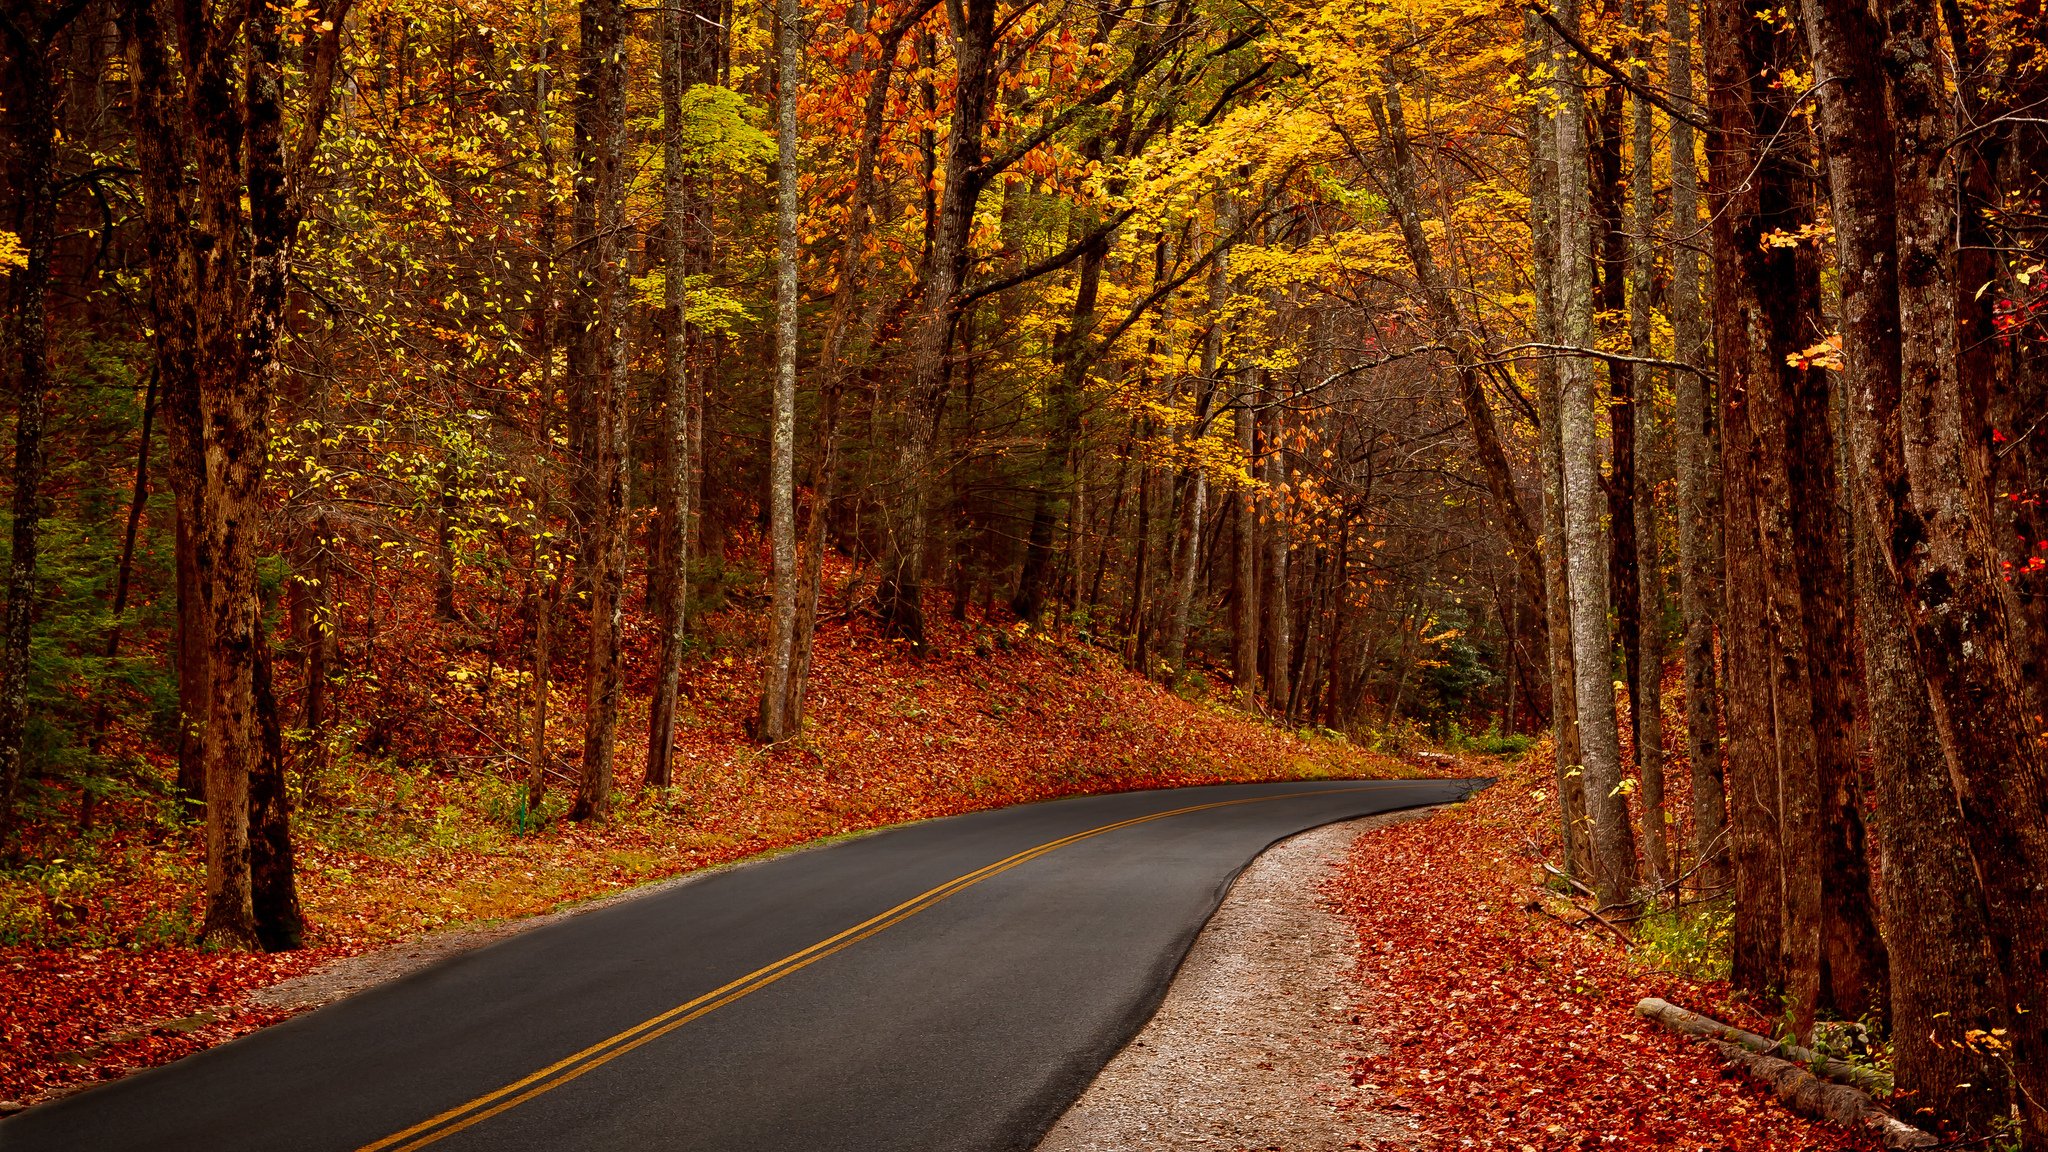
(1749, 755)
(899, 597)
(33, 181)
(597, 370)
(1698, 487)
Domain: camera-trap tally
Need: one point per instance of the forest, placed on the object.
(466, 385)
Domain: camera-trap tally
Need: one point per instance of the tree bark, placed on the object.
(34, 181)
(1749, 757)
(1244, 567)
(1278, 629)
(776, 663)
(1613, 840)
(221, 247)
(1943, 977)
(597, 369)
(1646, 697)
(899, 597)
(1925, 484)
(1571, 792)
(1698, 488)
(670, 593)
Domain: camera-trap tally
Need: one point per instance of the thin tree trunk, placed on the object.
(899, 596)
(1278, 628)
(1543, 190)
(776, 662)
(598, 369)
(35, 225)
(825, 468)
(669, 594)
(546, 586)
(1244, 576)
(1466, 349)
(1646, 708)
(1192, 517)
(1698, 491)
(1613, 841)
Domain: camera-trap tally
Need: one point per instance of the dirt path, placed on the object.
(1249, 1050)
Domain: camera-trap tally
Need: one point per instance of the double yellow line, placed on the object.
(612, 1047)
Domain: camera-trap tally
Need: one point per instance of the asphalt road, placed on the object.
(953, 984)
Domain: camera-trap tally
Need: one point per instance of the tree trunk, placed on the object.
(1277, 628)
(1646, 707)
(776, 662)
(598, 369)
(669, 594)
(1698, 490)
(1925, 484)
(1943, 976)
(1466, 349)
(1613, 840)
(1244, 575)
(899, 597)
(1571, 791)
(1749, 757)
(1197, 480)
(34, 180)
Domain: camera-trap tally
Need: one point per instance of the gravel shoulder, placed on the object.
(1250, 1049)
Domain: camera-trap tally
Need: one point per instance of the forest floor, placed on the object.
(1499, 1026)
(103, 979)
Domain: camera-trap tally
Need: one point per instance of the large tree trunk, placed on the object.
(1750, 757)
(222, 206)
(1925, 484)
(1613, 840)
(774, 714)
(1698, 489)
(1944, 980)
(598, 370)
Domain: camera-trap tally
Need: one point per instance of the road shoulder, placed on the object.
(1252, 1047)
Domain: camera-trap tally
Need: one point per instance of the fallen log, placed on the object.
(1798, 1087)
(1693, 1024)
(1805, 1092)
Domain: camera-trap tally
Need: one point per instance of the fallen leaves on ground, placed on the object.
(1505, 1029)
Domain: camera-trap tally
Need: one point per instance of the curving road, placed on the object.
(953, 984)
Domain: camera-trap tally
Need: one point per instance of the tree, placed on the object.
(1613, 842)
(33, 37)
(220, 258)
(775, 719)
(597, 373)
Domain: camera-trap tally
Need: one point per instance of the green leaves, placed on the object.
(718, 130)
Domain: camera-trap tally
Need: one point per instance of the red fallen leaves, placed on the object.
(74, 1016)
(1503, 1029)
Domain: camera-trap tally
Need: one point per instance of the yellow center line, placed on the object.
(611, 1048)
